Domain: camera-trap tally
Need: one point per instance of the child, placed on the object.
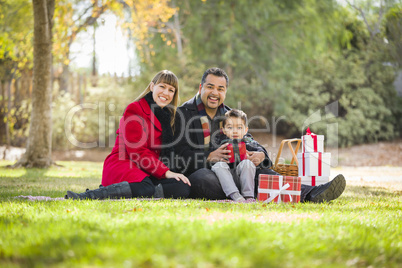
(240, 172)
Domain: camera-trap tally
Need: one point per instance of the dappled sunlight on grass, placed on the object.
(65, 170)
(261, 217)
(53, 181)
(373, 192)
(76, 170)
(361, 228)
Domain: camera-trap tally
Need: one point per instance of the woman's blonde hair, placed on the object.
(169, 78)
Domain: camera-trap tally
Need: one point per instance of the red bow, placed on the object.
(308, 132)
(314, 136)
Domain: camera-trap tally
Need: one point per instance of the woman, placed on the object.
(145, 134)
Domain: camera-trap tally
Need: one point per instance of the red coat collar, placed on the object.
(147, 110)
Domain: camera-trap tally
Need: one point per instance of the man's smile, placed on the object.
(213, 99)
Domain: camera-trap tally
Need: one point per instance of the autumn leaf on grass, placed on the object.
(133, 210)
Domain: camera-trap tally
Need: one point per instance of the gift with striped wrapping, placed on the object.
(276, 188)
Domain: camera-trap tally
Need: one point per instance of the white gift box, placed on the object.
(314, 164)
(312, 143)
(314, 180)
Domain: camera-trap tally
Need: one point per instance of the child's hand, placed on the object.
(256, 157)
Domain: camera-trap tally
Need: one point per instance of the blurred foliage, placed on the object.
(285, 59)
(359, 79)
(293, 58)
(93, 123)
(15, 38)
(393, 32)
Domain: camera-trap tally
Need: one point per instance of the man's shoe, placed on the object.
(329, 191)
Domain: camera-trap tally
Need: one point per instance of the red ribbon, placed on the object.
(314, 136)
(319, 167)
(319, 164)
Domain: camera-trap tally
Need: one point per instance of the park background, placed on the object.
(287, 61)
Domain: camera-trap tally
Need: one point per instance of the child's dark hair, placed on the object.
(237, 114)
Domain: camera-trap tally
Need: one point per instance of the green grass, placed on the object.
(362, 228)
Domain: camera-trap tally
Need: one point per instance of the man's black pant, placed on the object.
(171, 188)
(205, 184)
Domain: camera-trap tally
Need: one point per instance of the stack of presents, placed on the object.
(313, 168)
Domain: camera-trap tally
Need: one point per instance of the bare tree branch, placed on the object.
(363, 16)
(90, 20)
(85, 12)
(376, 29)
(381, 13)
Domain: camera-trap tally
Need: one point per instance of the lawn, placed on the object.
(362, 228)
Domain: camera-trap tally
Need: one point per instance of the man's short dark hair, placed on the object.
(236, 114)
(217, 72)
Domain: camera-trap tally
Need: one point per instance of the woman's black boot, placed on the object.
(114, 191)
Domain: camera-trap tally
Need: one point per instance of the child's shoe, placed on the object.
(237, 197)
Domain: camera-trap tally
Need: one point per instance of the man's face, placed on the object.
(235, 128)
(213, 92)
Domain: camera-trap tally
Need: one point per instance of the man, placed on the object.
(199, 121)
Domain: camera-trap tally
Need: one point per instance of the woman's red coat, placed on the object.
(136, 152)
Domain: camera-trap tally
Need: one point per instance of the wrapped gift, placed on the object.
(238, 151)
(314, 164)
(312, 143)
(279, 188)
(314, 180)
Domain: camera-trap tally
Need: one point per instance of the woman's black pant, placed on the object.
(171, 188)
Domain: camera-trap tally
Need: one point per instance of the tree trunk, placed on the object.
(80, 96)
(177, 32)
(8, 110)
(39, 145)
(3, 111)
(17, 94)
(64, 81)
(94, 80)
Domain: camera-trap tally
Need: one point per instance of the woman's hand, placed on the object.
(177, 176)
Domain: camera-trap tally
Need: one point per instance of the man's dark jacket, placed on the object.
(189, 148)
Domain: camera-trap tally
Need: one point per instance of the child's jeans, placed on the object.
(243, 178)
